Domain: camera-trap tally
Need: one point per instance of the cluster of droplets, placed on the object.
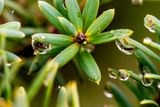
(39, 47)
(121, 74)
(125, 47)
(146, 81)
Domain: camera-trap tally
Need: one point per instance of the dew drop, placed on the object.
(108, 94)
(112, 74)
(124, 76)
(9, 64)
(40, 48)
(125, 47)
(59, 87)
(137, 2)
(12, 11)
(145, 81)
(147, 40)
(158, 85)
(149, 23)
(90, 48)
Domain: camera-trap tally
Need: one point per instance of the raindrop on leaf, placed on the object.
(146, 81)
(149, 23)
(125, 47)
(158, 85)
(40, 48)
(112, 74)
(124, 76)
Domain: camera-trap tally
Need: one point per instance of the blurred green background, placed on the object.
(107, 55)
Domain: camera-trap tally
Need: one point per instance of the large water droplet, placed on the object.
(145, 81)
(108, 94)
(125, 47)
(40, 48)
(124, 76)
(149, 23)
(112, 74)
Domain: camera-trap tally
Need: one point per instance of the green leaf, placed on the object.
(51, 14)
(73, 97)
(150, 103)
(32, 30)
(1, 5)
(49, 81)
(134, 89)
(121, 99)
(11, 33)
(74, 14)
(89, 13)
(100, 23)
(18, 8)
(11, 57)
(68, 26)
(66, 55)
(144, 49)
(59, 5)
(21, 98)
(109, 36)
(89, 66)
(10, 25)
(145, 61)
(62, 98)
(152, 76)
(55, 39)
(38, 81)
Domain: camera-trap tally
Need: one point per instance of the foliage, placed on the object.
(74, 31)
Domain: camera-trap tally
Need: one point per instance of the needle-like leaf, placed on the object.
(89, 66)
(51, 14)
(100, 23)
(55, 39)
(74, 14)
(89, 13)
(10, 25)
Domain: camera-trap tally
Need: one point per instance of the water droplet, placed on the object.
(149, 23)
(12, 11)
(89, 48)
(112, 74)
(147, 40)
(63, 5)
(40, 48)
(124, 76)
(59, 87)
(105, 105)
(9, 64)
(125, 47)
(158, 85)
(145, 81)
(137, 2)
(108, 94)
